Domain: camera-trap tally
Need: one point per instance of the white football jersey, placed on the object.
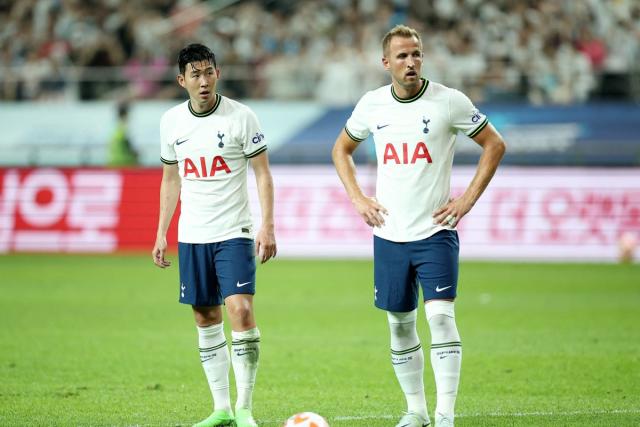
(414, 140)
(212, 151)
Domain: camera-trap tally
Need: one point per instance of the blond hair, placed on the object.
(399, 31)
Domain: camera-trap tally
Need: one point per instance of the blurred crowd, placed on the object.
(543, 51)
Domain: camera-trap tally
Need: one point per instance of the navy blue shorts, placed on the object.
(210, 272)
(400, 266)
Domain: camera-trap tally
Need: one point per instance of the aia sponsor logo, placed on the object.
(420, 152)
(203, 169)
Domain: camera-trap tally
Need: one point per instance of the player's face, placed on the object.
(200, 80)
(404, 61)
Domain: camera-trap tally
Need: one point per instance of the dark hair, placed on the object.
(195, 52)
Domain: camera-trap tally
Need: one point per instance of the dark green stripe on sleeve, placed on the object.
(479, 128)
(255, 153)
(353, 137)
(168, 162)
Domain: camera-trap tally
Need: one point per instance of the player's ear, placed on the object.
(180, 79)
(217, 73)
(385, 63)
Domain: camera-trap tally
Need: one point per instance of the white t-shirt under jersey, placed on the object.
(212, 151)
(414, 140)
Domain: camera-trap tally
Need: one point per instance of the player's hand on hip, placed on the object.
(450, 214)
(371, 211)
(266, 245)
(158, 252)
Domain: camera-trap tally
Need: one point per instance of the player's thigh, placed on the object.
(436, 261)
(395, 288)
(198, 280)
(236, 267)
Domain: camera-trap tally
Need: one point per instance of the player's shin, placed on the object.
(446, 354)
(214, 355)
(246, 352)
(407, 358)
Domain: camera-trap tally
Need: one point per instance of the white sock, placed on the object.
(246, 352)
(214, 355)
(446, 354)
(408, 359)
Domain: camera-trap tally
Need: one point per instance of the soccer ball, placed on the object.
(306, 419)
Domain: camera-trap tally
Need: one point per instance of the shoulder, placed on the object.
(375, 97)
(438, 91)
(452, 99)
(175, 111)
(382, 93)
(233, 107)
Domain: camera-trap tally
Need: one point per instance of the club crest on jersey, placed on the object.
(205, 170)
(426, 125)
(419, 152)
(476, 116)
(220, 136)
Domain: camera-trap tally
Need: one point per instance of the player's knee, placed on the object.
(442, 322)
(402, 324)
(207, 316)
(241, 315)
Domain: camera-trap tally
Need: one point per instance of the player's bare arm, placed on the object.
(368, 208)
(493, 149)
(265, 239)
(169, 194)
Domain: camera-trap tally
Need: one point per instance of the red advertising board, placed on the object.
(525, 214)
(79, 210)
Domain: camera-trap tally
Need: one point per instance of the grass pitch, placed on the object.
(102, 341)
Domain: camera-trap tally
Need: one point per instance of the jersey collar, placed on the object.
(425, 83)
(206, 113)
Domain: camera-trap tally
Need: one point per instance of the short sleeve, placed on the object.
(356, 126)
(167, 151)
(253, 141)
(464, 116)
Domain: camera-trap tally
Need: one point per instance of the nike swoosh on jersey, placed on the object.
(439, 289)
(239, 285)
(381, 126)
(180, 141)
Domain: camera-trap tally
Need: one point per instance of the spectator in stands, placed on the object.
(272, 43)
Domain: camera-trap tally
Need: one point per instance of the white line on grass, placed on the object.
(461, 415)
(500, 414)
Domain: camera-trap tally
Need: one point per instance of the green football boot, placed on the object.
(244, 418)
(218, 418)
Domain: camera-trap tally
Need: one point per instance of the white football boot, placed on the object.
(411, 419)
(443, 420)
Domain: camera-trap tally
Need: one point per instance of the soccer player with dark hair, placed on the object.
(414, 123)
(206, 145)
